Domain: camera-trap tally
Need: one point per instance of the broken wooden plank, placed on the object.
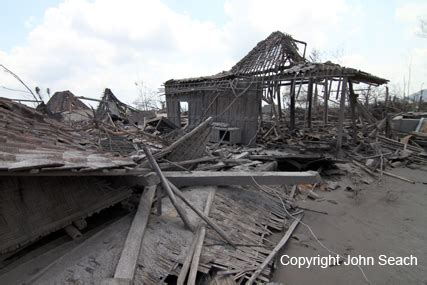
(34, 164)
(189, 257)
(398, 177)
(207, 178)
(190, 254)
(276, 249)
(200, 239)
(127, 263)
(167, 188)
(201, 214)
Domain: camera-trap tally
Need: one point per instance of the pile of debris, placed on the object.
(209, 196)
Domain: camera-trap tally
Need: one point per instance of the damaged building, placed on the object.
(275, 67)
(131, 197)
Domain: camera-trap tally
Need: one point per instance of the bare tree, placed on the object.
(148, 98)
(315, 56)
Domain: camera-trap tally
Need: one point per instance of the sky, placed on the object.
(86, 46)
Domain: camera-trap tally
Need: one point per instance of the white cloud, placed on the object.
(412, 13)
(88, 45)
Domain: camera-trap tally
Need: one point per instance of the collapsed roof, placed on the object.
(111, 108)
(63, 101)
(31, 142)
(277, 58)
(277, 51)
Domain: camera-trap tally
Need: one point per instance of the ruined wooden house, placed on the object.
(274, 71)
(41, 188)
(112, 109)
(65, 106)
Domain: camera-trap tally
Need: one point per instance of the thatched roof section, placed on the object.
(64, 101)
(329, 69)
(278, 51)
(111, 108)
(110, 105)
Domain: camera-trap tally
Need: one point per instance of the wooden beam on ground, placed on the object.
(276, 249)
(166, 187)
(200, 239)
(201, 214)
(214, 178)
(398, 177)
(127, 263)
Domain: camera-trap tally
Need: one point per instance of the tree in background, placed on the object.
(148, 99)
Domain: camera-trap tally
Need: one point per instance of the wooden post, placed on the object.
(292, 106)
(165, 184)
(310, 101)
(353, 99)
(316, 96)
(386, 98)
(279, 103)
(338, 88)
(341, 117)
(325, 99)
